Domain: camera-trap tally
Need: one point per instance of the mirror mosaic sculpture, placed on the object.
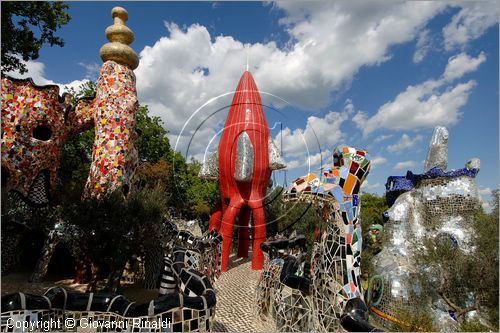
(425, 210)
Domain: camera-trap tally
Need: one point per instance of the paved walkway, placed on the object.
(235, 291)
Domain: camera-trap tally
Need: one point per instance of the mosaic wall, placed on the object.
(33, 130)
(283, 291)
(203, 251)
(432, 207)
(328, 296)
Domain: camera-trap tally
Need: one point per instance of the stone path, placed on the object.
(235, 290)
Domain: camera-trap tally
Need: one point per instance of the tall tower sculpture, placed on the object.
(243, 164)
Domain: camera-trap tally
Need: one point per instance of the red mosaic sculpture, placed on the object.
(114, 156)
(244, 167)
(36, 121)
(32, 133)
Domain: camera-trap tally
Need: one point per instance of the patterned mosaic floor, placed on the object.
(235, 299)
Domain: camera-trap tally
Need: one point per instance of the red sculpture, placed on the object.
(246, 157)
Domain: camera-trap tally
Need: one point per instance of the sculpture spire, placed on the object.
(119, 36)
(248, 51)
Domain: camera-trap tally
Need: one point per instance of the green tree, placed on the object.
(76, 152)
(86, 89)
(26, 26)
(372, 209)
(153, 144)
(202, 194)
(114, 228)
(287, 217)
(469, 279)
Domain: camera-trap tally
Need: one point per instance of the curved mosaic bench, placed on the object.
(282, 286)
(102, 312)
(199, 253)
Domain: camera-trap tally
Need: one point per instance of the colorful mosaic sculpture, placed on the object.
(243, 164)
(33, 130)
(36, 121)
(335, 298)
(438, 205)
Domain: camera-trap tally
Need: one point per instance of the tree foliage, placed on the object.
(26, 26)
(286, 217)
(469, 279)
(153, 144)
(201, 194)
(114, 228)
(372, 209)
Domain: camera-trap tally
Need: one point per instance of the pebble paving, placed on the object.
(235, 290)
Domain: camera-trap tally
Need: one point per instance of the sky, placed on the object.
(376, 75)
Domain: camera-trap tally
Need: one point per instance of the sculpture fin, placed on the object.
(275, 160)
(210, 167)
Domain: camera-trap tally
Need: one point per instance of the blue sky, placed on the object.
(374, 75)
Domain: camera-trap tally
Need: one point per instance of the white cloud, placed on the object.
(404, 143)
(462, 64)
(336, 39)
(470, 23)
(323, 131)
(36, 71)
(329, 43)
(405, 165)
(431, 103)
(485, 194)
(377, 160)
(383, 137)
(367, 186)
(313, 162)
(423, 46)
(313, 145)
(92, 70)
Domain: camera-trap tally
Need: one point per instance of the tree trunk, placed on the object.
(43, 262)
